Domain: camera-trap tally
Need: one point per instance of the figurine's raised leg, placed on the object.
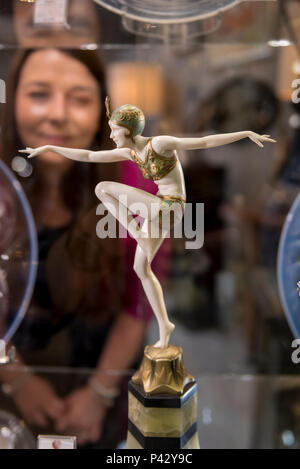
(109, 194)
(115, 195)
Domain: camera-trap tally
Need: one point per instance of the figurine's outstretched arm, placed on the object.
(165, 143)
(107, 156)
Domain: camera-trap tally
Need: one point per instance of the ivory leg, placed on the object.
(123, 216)
(154, 293)
(111, 202)
(147, 247)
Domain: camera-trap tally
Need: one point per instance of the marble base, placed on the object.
(162, 421)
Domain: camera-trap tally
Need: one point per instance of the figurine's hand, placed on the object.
(83, 416)
(37, 402)
(35, 151)
(258, 139)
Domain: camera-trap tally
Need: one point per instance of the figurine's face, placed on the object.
(120, 135)
(57, 103)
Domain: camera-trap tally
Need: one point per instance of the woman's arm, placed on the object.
(107, 156)
(34, 396)
(87, 406)
(166, 143)
(121, 349)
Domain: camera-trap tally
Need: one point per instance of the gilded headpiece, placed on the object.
(128, 116)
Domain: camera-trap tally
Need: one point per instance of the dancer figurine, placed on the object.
(158, 160)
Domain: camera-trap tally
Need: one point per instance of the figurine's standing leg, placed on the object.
(154, 293)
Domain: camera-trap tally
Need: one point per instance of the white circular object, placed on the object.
(18, 252)
(167, 11)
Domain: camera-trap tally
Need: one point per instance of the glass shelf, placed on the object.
(234, 411)
(97, 23)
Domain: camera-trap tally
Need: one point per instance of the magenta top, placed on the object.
(136, 302)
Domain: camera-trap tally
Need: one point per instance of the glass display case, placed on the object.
(263, 412)
(18, 253)
(195, 68)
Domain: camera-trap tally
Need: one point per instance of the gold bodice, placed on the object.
(155, 166)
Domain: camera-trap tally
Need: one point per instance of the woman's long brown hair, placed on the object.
(78, 184)
(87, 259)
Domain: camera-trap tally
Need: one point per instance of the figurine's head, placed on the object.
(128, 116)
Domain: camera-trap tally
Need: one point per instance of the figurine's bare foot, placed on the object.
(163, 342)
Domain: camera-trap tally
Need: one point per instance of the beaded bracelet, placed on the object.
(107, 395)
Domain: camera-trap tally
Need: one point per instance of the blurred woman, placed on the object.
(78, 315)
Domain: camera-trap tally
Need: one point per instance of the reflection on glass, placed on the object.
(18, 253)
(289, 267)
(14, 434)
(81, 26)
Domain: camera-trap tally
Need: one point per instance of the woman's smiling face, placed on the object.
(57, 102)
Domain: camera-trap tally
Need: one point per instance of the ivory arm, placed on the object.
(165, 143)
(107, 156)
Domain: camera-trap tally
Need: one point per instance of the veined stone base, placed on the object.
(162, 421)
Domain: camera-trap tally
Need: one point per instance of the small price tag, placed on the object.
(56, 442)
(50, 12)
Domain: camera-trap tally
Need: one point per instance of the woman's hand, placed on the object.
(83, 416)
(35, 151)
(38, 402)
(258, 139)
